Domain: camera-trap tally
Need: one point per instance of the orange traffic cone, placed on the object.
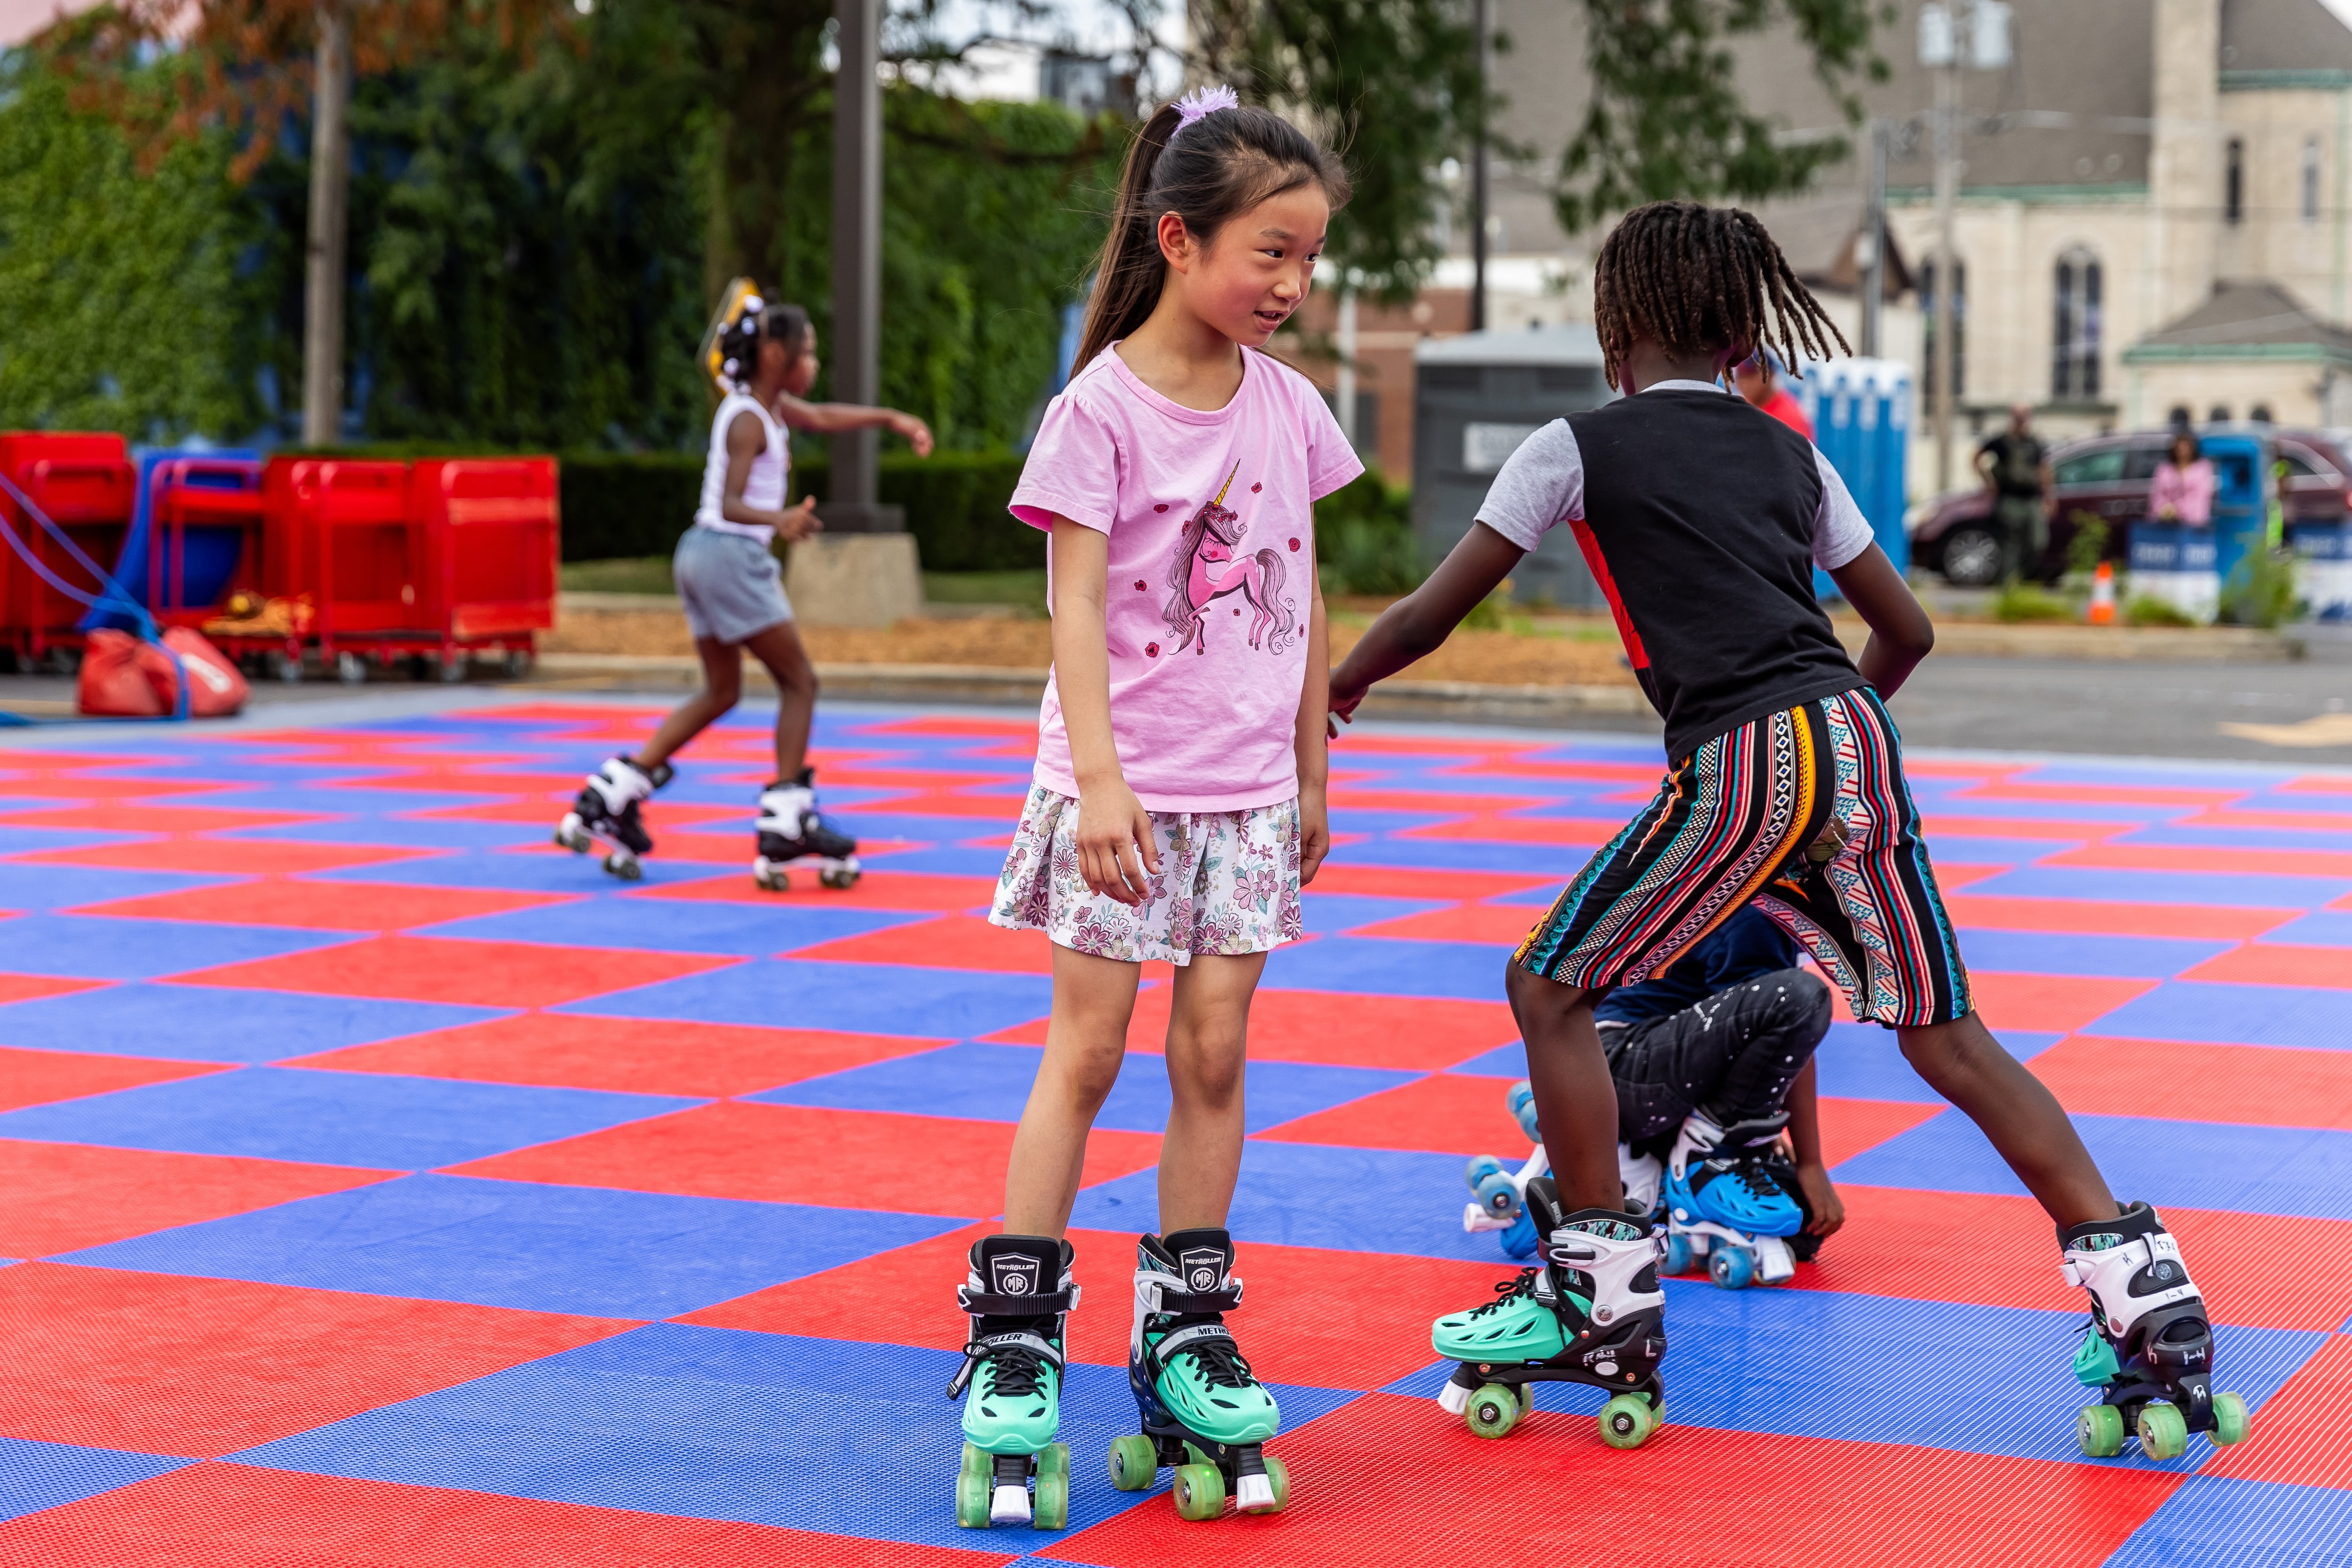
(2102, 595)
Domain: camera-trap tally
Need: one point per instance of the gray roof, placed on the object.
(2298, 36)
(2245, 318)
(1572, 344)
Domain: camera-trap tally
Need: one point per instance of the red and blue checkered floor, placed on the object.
(390, 1187)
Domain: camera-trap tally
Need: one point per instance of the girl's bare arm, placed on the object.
(826, 418)
(1113, 826)
(1314, 752)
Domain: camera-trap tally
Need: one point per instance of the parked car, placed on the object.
(2108, 477)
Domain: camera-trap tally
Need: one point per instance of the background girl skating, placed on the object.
(1179, 798)
(732, 585)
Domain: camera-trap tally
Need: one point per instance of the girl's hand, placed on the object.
(1314, 830)
(797, 523)
(916, 432)
(1113, 827)
(1829, 1209)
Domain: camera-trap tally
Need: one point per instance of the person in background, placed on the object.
(1760, 383)
(2183, 490)
(2016, 469)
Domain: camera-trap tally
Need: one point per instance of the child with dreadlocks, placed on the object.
(1703, 518)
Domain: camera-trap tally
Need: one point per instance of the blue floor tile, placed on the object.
(2327, 928)
(1387, 966)
(720, 1423)
(406, 832)
(587, 1251)
(2306, 1018)
(2214, 1520)
(1329, 914)
(1469, 854)
(378, 1121)
(674, 925)
(2225, 889)
(217, 1023)
(109, 947)
(1864, 1062)
(34, 1476)
(863, 998)
(2054, 953)
(519, 872)
(37, 887)
(991, 1083)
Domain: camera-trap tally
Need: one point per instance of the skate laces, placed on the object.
(1217, 1356)
(1019, 1370)
(1507, 1291)
(1755, 1179)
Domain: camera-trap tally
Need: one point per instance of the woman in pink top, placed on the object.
(1179, 797)
(2183, 491)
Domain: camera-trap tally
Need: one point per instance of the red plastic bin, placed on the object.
(84, 483)
(204, 493)
(493, 534)
(340, 531)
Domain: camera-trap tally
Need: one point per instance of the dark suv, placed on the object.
(2108, 477)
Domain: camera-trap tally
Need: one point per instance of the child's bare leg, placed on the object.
(1208, 1030)
(780, 651)
(1963, 1063)
(722, 687)
(1576, 1102)
(1085, 1041)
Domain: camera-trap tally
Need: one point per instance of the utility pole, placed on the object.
(1345, 395)
(1874, 242)
(1947, 189)
(322, 279)
(1483, 20)
(857, 267)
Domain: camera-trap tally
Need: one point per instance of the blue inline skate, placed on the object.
(1726, 1204)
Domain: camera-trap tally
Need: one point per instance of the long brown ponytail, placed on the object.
(1223, 164)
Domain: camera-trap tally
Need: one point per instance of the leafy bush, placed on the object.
(2022, 601)
(1365, 542)
(2261, 590)
(2145, 611)
(2088, 546)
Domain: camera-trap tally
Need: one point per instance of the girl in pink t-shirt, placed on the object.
(1179, 798)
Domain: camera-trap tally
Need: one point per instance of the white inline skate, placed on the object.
(792, 828)
(1499, 1200)
(2149, 1350)
(606, 808)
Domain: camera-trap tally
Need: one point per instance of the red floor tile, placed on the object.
(2106, 794)
(2047, 1003)
(1848, 1127)
(463, 780)
(163, 1365)
(2298, 1435)
(1412, 1034)
(1414, 881)
(1512, 761)
(1579, 832)
(323, 905)
(1373, 798)
(878, 888)
(2325, 822)
(1373, 1482)
(547, 809)
(796, 1153)
(249, 857)
(1504, 924)
(233, 1516)
(1442, 1114)
(147, 818)
(2190, 857)
(950, 941)
(2091, 917)
(2278, 964)
(1298, 1303)
(703, 1061)
(1934, 826)
(66, 1196)
(31, 988)
(2255, 1086)
(446, 969)
(39, 1077)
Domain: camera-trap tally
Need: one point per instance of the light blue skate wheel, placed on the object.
(974, 1483)
(1134, 1462)
(1051, 1507)
(1497, 1196)
(2229, 1418)
(1678, 1255)
(1519, 1241)
(1479, 1168)
(1732, 1267)
(1522, 1103)
(1493, 1411)
(2163, 1431)
(2099, 1431)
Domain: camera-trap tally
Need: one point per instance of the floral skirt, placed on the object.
(1228, 885)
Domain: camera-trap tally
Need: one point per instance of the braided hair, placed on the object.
(1697, 279)
(739, 344)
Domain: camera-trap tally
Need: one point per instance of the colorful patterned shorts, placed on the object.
(1805, 813)
(1228, 885)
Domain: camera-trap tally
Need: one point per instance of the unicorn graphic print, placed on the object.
(1208, 565)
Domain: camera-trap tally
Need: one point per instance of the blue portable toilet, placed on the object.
(1861, 410)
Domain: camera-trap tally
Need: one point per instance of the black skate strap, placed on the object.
(1187, 1301)
(988, 1304)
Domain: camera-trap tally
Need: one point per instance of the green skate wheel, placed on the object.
(2163, 1431)
(2099, 1429)
(1526, 1399)
(1627, 1421)
(1051, 1509)
(1134, 1463)
(1493, 1411)
(974, 1483)
(1200, 1491)
(1279, 1474)
(2229, 1418)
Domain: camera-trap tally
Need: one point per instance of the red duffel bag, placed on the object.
(123, 676)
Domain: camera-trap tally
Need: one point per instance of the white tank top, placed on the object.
(764, 489)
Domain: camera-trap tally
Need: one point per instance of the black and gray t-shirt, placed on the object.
(1703, 519)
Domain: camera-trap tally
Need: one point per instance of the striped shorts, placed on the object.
(1802, 812)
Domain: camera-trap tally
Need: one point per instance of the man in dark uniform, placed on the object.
(2016, 469)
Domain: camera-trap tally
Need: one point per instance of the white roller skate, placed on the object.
(792, 829)
(606, 808)
(1725, 1204)
(2149, 1350)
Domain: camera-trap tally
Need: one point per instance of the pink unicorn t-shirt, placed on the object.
(1211, 520)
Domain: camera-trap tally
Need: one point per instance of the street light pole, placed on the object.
(1948, 182)
(1483, 19)
(323, 283)
(1874, 238)
(857, 266)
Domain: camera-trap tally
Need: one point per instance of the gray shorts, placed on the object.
(732, 587)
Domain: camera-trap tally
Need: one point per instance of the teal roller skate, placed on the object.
(1204, 1414)
(1592, 1313)
(1013, 1362)
(2149, 1350)
(1725, 1205)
